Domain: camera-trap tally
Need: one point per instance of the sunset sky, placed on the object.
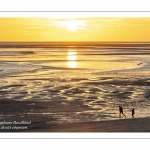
(74, 29)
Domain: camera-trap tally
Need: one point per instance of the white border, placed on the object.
(74, 5)
(75, 135)
(74, 14)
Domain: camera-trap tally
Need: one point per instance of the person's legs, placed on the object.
(132, 115)
(124, 115)
(119, 115)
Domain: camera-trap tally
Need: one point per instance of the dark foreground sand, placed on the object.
(120, 125)
(18, 119)
(124, 125)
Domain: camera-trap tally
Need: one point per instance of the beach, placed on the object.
(54, 89)
(41, 121)
(125, 125)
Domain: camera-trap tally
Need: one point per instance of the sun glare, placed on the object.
(72, 25)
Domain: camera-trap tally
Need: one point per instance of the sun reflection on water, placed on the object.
(72, 57)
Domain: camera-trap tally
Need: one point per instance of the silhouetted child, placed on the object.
(132, 112)
(121, 111)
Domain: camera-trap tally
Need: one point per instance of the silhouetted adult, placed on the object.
(121, 111)
(133, 112)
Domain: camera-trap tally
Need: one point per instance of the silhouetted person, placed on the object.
(133, 112)
(121, 111)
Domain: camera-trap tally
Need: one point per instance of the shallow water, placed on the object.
(81, 85)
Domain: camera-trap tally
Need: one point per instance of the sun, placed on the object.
(72, 24)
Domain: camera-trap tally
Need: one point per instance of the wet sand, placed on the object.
(39, 92)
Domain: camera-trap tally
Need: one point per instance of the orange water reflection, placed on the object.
(72, 57)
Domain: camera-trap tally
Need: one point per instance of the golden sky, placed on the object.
(74, 29)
